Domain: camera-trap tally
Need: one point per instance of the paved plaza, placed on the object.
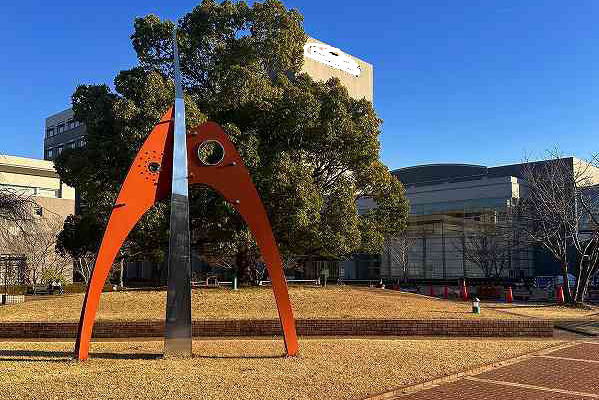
(568, 372)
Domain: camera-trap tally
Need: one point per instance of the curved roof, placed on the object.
(431, 173)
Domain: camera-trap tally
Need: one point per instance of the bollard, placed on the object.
(446, 292)
(559, 294)
(509, 296)
(431, 291)
(3, 299)
(235, 282)
(476, 305)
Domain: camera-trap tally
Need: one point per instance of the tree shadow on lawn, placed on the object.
(66, 356)
(240, 357)
(62, 356)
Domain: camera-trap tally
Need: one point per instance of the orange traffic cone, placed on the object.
(559, 294)
(464, 292)
(509, 296)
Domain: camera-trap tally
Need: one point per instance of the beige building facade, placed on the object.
(323, 61)
(27, 249)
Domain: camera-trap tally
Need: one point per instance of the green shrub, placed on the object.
(14, 289)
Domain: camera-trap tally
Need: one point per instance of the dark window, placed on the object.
(50, 132)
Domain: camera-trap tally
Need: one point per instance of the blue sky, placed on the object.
(483, 82)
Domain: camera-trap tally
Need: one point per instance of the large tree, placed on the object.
(312, 149)
(561, 214)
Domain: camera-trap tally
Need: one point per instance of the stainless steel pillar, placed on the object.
(178, 333)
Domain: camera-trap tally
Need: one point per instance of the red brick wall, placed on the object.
(113, 329)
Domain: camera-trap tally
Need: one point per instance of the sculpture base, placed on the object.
(177, 348)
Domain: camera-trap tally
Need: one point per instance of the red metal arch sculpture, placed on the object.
(149, 180)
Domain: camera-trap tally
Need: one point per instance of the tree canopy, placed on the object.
(312, 149)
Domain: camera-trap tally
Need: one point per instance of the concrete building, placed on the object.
(449, 203)
(62, 132)
(322, 62)
(52, 202)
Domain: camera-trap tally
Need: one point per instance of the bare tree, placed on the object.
(36, 240)
(16, 211)
(396, 254)
(490, 249)
(559, 213)
(84, 265)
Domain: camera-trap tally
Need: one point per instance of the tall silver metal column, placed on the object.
(178, 333)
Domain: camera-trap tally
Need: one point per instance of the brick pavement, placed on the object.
(565, 373)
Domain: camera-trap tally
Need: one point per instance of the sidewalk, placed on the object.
(567, 372)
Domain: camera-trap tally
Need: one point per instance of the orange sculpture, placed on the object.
(149, 181)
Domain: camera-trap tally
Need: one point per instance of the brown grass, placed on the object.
(253, 303)
(550, 312)
(242, 369)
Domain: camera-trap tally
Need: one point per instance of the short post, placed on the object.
(235, 282)
(509, 295)
(446, 292)
(431, 291)
(476, 305)
(3, 299)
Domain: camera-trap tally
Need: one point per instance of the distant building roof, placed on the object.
(437, 173)
(433, 174)
(28, 166)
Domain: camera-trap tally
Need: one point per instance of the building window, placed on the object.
(81, 142)
(60, 128)
(50, 132)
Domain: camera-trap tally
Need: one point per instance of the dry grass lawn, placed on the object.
(253, 303)
(550, 312)
(242, 369)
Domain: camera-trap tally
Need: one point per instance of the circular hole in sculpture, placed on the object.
(154, 167)
(211, 152)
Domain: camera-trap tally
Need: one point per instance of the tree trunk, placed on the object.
(567, 293)
(243, 265)
(122, 273)
(584, 278)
